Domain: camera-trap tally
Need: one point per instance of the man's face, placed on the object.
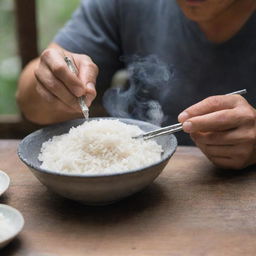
(204, 10)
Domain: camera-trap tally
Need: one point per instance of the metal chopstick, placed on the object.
(175, 127)
(81, 100)
(165, 132)
(154, 133)
(241, 92)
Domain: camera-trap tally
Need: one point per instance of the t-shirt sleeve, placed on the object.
(93, 30)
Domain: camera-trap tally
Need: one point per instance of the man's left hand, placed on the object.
(224, 128)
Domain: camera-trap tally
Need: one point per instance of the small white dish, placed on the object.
(11, 223)
(4, 182)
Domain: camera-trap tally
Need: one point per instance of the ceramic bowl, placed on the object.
(87, 188)
(4, 182)
(13, 221)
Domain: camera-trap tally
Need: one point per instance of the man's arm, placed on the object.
(47, 90)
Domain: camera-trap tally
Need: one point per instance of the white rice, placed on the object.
(98, 147)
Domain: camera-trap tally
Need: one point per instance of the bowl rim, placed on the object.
(92, 175)
(6, 182)
(18, 228)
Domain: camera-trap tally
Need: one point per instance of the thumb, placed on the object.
(88, 72)
(90, 93)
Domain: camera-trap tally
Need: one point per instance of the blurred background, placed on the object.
(26, 28)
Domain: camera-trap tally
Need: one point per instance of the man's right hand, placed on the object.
(56, 83)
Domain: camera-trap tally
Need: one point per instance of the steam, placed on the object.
(139, 95)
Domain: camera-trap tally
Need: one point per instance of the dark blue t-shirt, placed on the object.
(172, 64)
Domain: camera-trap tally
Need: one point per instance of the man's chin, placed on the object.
(197, 10)
(197, 15)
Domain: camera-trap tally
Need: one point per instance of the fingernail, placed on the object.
(91, 86)
(187, 126)
(183, 116)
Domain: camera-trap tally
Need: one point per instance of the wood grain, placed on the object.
(191, 209)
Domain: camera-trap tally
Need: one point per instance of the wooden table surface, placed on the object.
(192, 208)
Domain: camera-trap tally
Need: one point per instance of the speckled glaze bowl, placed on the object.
(93, 189)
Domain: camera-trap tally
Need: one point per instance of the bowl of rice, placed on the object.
(96, 162)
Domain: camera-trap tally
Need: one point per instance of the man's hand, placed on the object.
(57, 84)
(224, 128)
(47, 90)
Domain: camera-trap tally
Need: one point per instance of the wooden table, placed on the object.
(191, 209)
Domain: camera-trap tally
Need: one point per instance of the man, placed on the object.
(210, 44)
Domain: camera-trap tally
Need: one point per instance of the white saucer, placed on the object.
(12, 223)
(4, 182)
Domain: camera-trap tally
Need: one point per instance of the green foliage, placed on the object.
(7, 31)
(7, 96)
(8, 50)
(51, 17)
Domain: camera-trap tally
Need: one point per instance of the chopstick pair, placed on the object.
(162, 131)
(175, 127)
